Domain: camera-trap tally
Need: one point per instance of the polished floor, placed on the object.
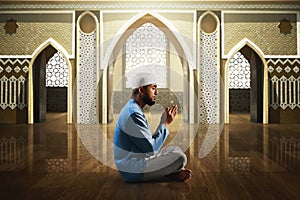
(246, 161)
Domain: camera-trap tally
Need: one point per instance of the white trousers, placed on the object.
(169, 160)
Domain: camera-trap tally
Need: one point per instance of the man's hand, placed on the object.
(169, 115)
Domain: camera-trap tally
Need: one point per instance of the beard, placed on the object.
(147, 100)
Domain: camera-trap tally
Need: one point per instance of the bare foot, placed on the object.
(183, 175)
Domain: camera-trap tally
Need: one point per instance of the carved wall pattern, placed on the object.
(12, 153)
(284, 84)
(87, 78)
(265, 35)
(13, 83)
(30, 35)
(209, 79)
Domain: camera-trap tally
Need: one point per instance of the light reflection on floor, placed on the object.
(247, 161)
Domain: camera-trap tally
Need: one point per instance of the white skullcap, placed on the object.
(142, 79)
(142, 76)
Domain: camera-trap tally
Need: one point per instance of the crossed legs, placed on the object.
(168, 163)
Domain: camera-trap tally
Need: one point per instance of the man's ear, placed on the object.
(141, 90)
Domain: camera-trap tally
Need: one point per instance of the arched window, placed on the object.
(239, 72)
(147, 46)
(57, 71)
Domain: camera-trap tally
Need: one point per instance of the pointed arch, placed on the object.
(139, 19)
(259, 52)
(243, 43)
(35, 54)
(119, 40)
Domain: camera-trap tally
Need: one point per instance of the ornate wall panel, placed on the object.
(209, 78)
(34, 29)
(263, 30)
(87, 78)
(284, 83)
(13, 83)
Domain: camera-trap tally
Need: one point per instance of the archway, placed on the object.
(114, 57)
(37, 98)
(258, 83)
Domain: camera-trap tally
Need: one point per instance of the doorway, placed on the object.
(245, 84)
(50, 83)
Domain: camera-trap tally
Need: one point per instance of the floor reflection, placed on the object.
(247, 160)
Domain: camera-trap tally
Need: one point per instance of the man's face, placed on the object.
(150, 93)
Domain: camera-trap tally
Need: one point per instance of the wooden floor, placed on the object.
(247, 161)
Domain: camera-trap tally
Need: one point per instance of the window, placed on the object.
(239, 72)
(57, 71)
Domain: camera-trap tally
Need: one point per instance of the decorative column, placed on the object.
(87, 68)
(209, 69)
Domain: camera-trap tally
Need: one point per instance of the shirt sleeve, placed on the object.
(141, 136)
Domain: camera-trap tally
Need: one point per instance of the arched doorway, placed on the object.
(49, 51)
(259, 99)
(246, 84)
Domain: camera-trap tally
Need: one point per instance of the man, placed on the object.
(137, 153)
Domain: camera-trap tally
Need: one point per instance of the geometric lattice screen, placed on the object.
(209, 75)
(87, 78)
(147, 45)
(57, 71)
(239, 72)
